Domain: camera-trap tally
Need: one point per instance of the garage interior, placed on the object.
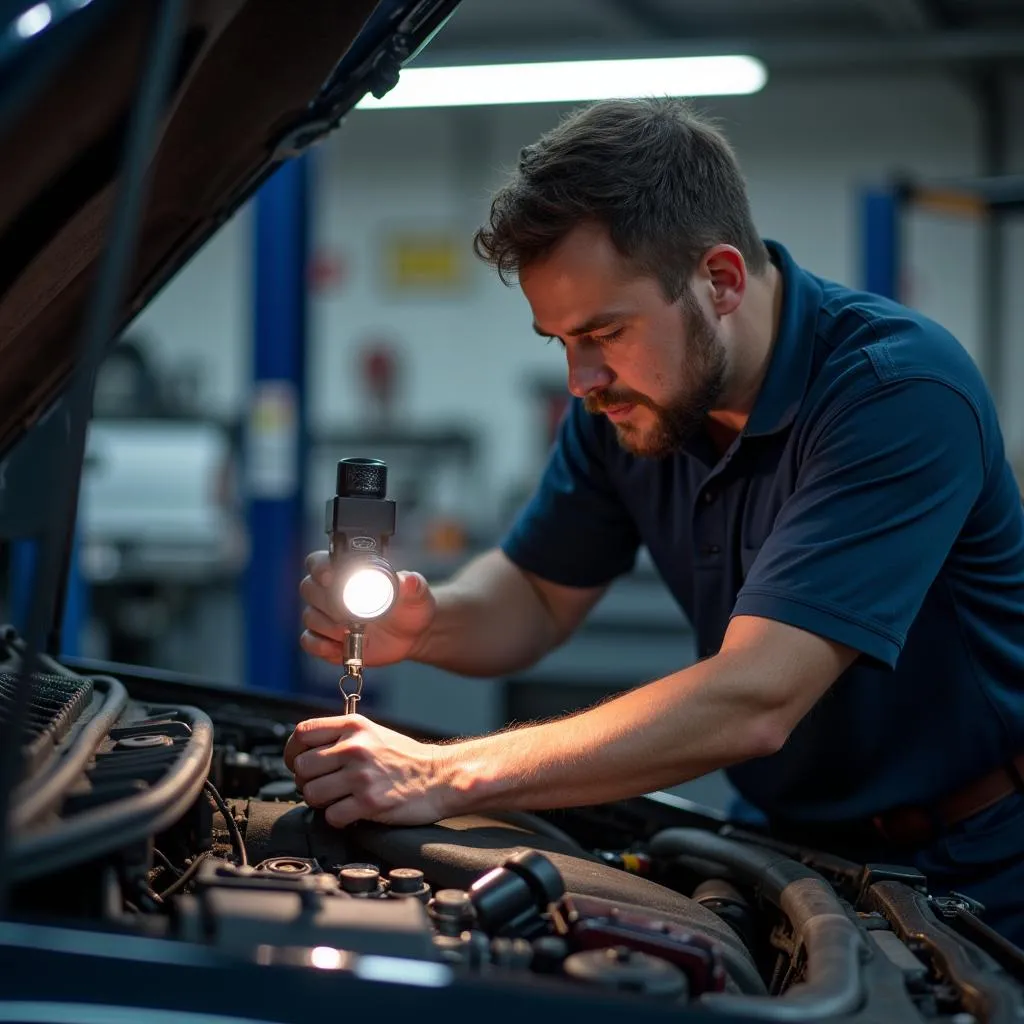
(341, 313)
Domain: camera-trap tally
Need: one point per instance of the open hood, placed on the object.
(255, 81)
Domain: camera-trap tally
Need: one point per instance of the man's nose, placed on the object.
(587, 372)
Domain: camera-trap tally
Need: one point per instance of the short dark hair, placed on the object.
(662, 179)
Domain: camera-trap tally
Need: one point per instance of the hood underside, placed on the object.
(248, 73)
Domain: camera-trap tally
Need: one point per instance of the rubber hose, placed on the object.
(721, 897)
(832, 942)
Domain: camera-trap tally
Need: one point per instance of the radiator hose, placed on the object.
(832, 942)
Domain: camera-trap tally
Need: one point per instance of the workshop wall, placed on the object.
(201, 321)
(466, 351)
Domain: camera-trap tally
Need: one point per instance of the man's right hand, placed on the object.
(393, 638)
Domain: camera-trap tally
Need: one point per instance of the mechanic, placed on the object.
(819, 477)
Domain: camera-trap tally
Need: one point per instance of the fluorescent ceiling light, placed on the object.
(33, 21)
(573, 80)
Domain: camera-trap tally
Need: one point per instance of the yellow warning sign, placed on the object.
(425, 262)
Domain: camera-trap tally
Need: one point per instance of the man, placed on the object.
(819, 477)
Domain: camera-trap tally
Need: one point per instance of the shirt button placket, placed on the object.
(709, 541)
(709, 526)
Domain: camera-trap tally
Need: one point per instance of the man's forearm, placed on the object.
(489, 621)
(667, 732)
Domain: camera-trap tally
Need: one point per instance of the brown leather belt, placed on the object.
(916, 826)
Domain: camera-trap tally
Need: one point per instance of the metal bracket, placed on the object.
(379, 78)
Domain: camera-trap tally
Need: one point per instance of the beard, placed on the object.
(703, 379)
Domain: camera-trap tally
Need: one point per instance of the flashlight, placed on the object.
(360, 519)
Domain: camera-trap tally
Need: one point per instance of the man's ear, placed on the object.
(726, 271)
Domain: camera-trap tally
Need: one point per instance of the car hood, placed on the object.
(256, 82)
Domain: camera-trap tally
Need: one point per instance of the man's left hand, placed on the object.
(357, 769)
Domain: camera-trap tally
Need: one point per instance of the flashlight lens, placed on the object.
(368, 593)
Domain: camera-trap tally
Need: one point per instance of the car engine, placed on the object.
(157, 811)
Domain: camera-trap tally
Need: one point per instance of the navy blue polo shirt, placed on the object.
(869, 501)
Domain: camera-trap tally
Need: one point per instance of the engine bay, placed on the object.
(157, 811)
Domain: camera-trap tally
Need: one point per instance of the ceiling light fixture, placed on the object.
(33, 21)
(572, 81)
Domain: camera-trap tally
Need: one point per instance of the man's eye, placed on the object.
(590, 339)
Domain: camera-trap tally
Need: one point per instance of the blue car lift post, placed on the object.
(989, 199)
(276, 433)
(76, 594)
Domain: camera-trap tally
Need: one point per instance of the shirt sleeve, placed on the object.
(884, 490)
(575, 530)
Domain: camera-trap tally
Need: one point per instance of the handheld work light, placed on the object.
(360, 519)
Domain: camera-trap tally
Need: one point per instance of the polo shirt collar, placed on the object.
(785, 383)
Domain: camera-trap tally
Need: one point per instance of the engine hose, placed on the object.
(831, 940)
(721, 897)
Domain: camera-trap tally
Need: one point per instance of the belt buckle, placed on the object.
(906, 826)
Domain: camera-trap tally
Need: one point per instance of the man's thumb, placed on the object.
(413, 585)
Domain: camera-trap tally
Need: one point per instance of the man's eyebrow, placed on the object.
(595, 323)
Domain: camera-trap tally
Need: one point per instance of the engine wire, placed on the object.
(237, 842)
(186, 876)
(151, 894)
(166, 862)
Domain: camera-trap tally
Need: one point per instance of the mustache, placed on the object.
(599, 401)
